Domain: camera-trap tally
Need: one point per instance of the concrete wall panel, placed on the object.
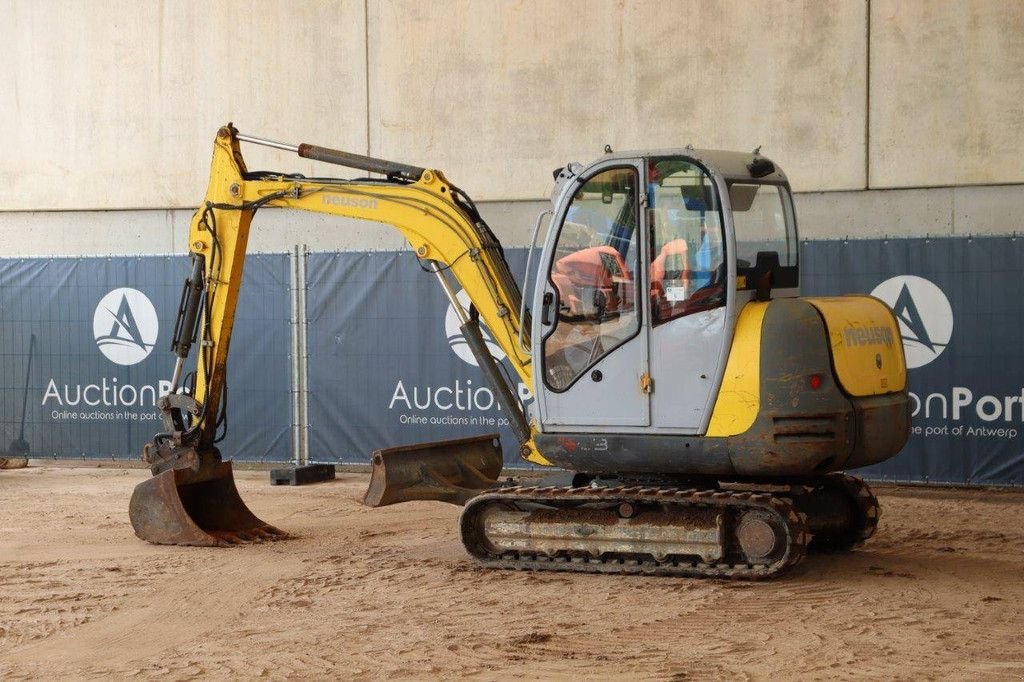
(947, 92)
(498, 94)
(115, 104)
(988, 210)
(873, 214)
(935, 211)
(99, 233)
(938, 211)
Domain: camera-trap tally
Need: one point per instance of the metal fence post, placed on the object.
(303, 355)
(299, 356)
(294, 351)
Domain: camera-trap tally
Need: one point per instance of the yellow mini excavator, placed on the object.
(704, 407)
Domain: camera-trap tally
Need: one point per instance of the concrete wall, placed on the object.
(822, 215)
(114, 105)
(947, 92)
(499, 94)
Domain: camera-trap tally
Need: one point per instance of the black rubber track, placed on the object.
(795, 533)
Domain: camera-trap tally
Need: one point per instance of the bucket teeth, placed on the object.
(227, 538)
(268, 533)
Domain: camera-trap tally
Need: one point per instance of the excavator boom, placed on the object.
(192, 498)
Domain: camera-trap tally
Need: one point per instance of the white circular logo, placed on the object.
(125, 326)
(452, 328)
(926, 318)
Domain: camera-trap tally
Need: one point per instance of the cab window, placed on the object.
(762, 215)
(593, 273)
(687, 271)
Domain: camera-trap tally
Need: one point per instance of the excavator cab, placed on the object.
(671, 226)
(712, 365)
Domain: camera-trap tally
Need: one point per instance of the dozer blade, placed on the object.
(172, 508)
(451, 471)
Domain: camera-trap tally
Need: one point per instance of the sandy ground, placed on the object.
(365, 593)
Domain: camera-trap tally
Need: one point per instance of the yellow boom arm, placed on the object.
(428, 211)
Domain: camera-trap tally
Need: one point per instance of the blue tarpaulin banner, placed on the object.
(387, 365)
(386, 368)
(98, 333)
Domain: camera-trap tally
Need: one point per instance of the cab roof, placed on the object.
(732, 165)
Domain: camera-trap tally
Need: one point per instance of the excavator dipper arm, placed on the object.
(192, 498)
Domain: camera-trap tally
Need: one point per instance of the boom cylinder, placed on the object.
(340, 158)
(470, 329)
(508, 401)
(366, 163)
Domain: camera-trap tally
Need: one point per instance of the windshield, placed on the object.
(763, 219)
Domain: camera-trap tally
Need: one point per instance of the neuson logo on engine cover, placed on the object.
(926, 318)
(867, 336)
(125, 326)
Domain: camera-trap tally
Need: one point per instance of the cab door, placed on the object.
(690, 326)
(588, 332)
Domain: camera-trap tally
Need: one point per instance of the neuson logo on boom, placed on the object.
(125, 326)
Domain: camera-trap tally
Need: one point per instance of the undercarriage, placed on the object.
(740, 531)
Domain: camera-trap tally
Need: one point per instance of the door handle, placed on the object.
(545, 311)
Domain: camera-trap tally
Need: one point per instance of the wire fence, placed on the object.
(337, 354)
(84, 355)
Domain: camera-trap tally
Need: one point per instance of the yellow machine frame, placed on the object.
(424, 211)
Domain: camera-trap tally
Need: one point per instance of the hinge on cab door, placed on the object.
(646, 383)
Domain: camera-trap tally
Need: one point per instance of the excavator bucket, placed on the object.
(451, 471)
(174, 508)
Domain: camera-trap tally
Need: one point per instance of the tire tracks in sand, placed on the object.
(170, 603)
